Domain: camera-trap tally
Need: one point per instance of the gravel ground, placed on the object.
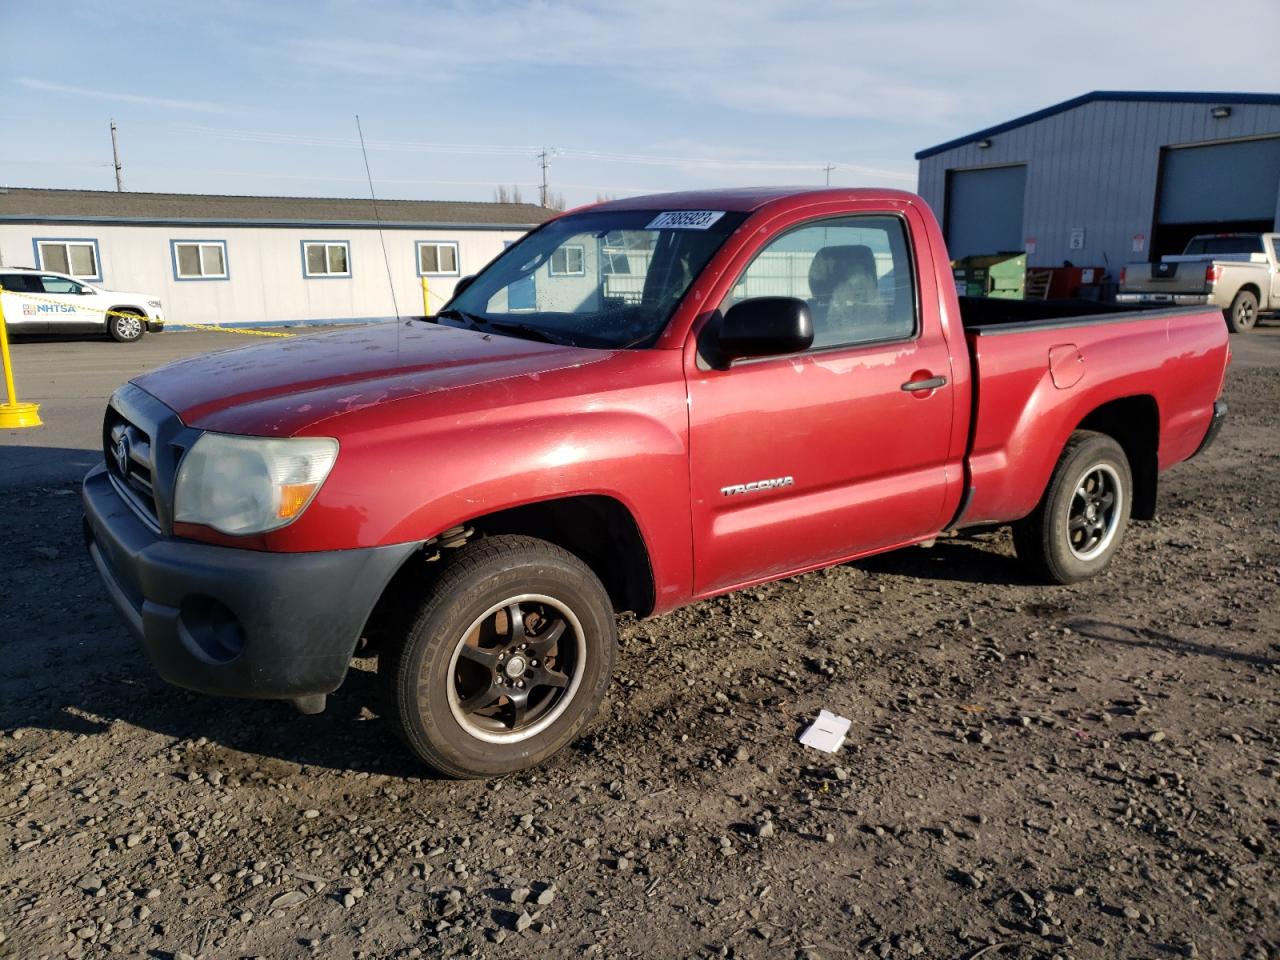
(1032, 772)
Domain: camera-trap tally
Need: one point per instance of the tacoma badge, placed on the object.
(736, 488)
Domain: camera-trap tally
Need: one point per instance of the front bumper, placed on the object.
(1177, 299)
(240, 623)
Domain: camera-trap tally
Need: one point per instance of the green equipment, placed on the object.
(1001, 275)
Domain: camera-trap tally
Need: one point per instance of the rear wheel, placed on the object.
(1079, 523)
(125, 326)
(1243, 312)
(507, 660)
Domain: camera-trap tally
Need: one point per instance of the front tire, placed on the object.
(1081, 520)
(506, 662)
(1243, 312)
(125, 326)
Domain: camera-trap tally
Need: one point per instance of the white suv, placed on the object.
(43, 301)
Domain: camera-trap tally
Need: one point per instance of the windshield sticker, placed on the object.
(685, 220)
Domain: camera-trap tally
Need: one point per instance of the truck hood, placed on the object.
(284, 386)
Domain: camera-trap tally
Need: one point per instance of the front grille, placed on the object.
(128, 451)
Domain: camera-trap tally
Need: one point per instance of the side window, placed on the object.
(568, 261)
(321, 259)
(437, 258)
(59, 285)
(854, 272)
(199, 259)
(76, 257)
(21, 283)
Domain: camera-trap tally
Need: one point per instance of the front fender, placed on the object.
(411, 477)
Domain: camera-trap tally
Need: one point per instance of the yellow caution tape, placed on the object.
(249, 332)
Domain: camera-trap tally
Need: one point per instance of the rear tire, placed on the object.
(125, 326)
(1243, 312)
(507, 660)
(1078, 525)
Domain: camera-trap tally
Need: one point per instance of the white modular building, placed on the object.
(247, 261)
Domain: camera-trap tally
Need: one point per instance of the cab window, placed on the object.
(854, 272)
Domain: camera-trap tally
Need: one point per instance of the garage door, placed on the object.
(1220, 183)
(984, 210)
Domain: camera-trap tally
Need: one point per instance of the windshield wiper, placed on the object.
(529, 330)
(470, 319)
(485, 325)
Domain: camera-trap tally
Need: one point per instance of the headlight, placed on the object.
(242, 485)
(154, 303)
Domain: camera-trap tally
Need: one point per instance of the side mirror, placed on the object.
(462, 284)
(765, 327)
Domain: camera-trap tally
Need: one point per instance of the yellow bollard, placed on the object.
(13, 414)
(426, 304)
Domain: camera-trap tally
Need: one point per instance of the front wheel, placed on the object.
(125, 326)
(1079, 523)
(1243, 312)
(508, 659)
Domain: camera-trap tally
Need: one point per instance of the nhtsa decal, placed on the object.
(736, 488)
(33, 309)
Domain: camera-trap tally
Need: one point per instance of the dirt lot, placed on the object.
(1032, 772)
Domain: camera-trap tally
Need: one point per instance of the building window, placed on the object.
(199, 259)
(568, 261)
(78, 258)
(326, 258)
(436, 258)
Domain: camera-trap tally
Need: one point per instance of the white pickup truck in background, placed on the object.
(1236, 272)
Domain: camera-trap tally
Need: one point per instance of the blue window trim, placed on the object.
(417, 258)
(302, 245)
(97, 254)
(173, 257)
(552, 272)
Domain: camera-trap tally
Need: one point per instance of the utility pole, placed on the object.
(544, 160)
(115, 156)
(828, 168)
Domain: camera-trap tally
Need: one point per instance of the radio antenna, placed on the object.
(378, 219)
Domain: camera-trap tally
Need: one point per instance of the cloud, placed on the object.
(190, 106)
(925, 64)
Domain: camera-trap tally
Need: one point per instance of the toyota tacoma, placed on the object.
(641, 404)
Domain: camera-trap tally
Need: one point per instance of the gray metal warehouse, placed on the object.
(1109, 177)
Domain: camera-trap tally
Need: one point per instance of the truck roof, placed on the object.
(749, 199)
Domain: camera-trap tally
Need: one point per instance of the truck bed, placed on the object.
(1044, 369)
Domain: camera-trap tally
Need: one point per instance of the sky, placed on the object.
(456, 98)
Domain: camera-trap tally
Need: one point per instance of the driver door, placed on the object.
(804, 460)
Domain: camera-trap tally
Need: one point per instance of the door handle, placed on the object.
(933, 383)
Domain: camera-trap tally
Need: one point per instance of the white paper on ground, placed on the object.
(826, 733)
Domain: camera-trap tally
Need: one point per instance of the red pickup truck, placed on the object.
(640, 404)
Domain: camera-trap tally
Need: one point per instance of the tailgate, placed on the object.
(1164, 277)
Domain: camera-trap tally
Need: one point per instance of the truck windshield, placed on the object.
(1199, 246)
(609, 279)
